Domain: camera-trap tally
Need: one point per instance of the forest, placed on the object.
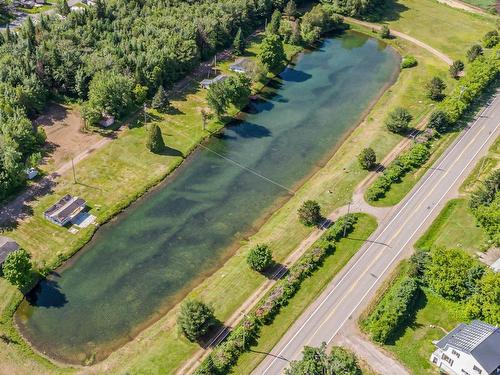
(110, 57)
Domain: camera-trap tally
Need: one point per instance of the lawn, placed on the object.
(415, 347)
(308, 292)
(485, 4)
(123, 170)
(447, 29)
(36, 10)
(455, 227)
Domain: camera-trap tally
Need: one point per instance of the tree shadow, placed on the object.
(170, 151)
(275, 272)
(293, 75)
(258, 105)
(390, 10)
(215, 335)
(410, 320)
(53, 114)
(249, 130)
(47, 293)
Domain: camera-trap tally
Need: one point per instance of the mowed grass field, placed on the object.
(121, 171)
(449, 30)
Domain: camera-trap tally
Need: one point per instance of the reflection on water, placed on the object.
(139, 265)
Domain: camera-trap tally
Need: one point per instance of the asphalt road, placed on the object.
(349, 293)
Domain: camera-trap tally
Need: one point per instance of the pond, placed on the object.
(140, 264)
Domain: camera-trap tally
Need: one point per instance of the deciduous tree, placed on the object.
(272, 54)
(474, 52)
(310, 213)
(17, 269)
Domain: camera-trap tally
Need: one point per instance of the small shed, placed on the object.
(206, 83)
(240, 66)
(65, 210)
(7, 246)
(107, 121)
(31, 173)
(496, 265)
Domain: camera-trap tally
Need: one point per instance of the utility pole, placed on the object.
(74, 172)
(348, 212)
(145, 119)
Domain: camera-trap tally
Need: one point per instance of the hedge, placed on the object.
(393, 311)
(225, 355)
(480, 73)
(405, 163)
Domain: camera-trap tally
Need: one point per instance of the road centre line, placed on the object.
(408, 200)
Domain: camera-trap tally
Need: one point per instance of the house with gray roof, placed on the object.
(66, 210)
(7, 246)
(469, 349)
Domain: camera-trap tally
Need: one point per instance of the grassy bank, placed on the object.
(123, 168)
(310, 289)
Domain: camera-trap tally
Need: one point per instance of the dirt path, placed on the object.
(407, 37)
(463, 6)
(377, 358)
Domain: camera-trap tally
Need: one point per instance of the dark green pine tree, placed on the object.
(239, 43)
(154, 142)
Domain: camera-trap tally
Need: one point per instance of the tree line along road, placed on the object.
(350, 292)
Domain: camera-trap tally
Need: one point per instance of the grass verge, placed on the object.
(308, 292)
(449, 228)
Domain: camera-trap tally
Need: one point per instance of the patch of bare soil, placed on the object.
(65, 138)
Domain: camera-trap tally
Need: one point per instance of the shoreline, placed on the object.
(231, 249)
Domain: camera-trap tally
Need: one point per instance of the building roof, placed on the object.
(65, 208)
(240, 65)
(496, 265)
(7, 246)
(479, 339)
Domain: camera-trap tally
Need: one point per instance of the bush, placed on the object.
(310, 213)
(435, 89)
(474, 52)
(367, 158)
(439, 121)
(393, 311)
(451, 273)
(398, 121)
(195, 319)
(490, 39)
(17, 269)
(408, 62)
(260, 258)
(456, 68)
(154, 141)
(385, 32)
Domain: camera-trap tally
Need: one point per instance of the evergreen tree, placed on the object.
(456, 68)
(435, 88)
(398, 121)
(195, 319)
(474, 52)
(154, 141)
(63, 8)
(274, 26)
(160, 100)
(239, 43)
(260, 258)
(290, 9)
(310, 213)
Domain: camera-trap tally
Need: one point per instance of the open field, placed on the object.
(449, 30)
(310, 289)
(124, 169)
(485, 4)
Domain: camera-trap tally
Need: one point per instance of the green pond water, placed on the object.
(140, 264)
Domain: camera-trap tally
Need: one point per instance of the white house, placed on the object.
(240, 66)
(207, 82)
(66, 210)
(470, 349)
